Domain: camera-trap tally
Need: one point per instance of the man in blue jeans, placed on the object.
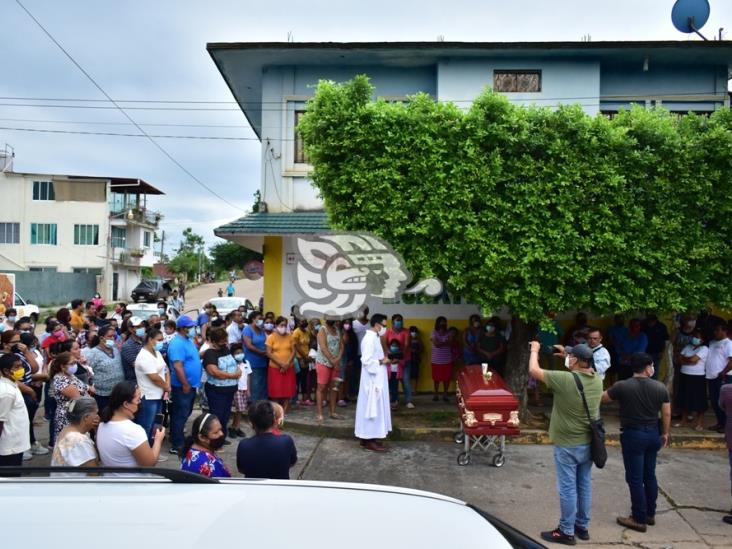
(725, 403)
(185, 377)
(569, 430)
(641, 398)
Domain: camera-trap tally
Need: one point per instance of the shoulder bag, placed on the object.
(597, 430)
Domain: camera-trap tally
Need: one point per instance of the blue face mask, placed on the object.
(260, 323)
(159, 346)
(109, 343)
(394, 348)
(239, 357)
(696, 341)
(269, 326)
(12, 318)
(2, 327)
(161, 311)
(191, 332)
(140, 332)
(398, 324)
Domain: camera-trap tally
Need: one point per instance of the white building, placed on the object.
(78, 224)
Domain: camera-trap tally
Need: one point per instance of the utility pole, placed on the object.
(162, 247)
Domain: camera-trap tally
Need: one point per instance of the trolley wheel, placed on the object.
(499, 460)
(463, 458)
(459, 437)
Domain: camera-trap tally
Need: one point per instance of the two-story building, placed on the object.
(78, 224)
(272, 82)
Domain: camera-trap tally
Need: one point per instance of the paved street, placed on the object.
(250, 289)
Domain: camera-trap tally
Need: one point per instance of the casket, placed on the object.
(485, 403)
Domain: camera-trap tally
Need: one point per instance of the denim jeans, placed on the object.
(32, 407)
(219, 402)
(640, 447)
(146, 416)
(574, 484)
(715, 386)
(49, 408)
(180, 410)
(393, 387)
(259, 384)
(730, 470)
(407, 381)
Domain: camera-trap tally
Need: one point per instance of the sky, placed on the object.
(146, 51)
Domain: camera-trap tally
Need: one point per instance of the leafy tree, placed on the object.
(228, 255)
(190, 257)
(257, 201)
(191, 242)
(529, 208)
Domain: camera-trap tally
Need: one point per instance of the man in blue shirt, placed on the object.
(131, 348)
(185, 377)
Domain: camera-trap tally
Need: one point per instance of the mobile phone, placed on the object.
(158, 423)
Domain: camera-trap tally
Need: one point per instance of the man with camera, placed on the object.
(642, 436)
(570, 432)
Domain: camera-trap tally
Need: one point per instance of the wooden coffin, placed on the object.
(485, 402)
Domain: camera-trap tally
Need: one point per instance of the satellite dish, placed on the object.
(690, 15)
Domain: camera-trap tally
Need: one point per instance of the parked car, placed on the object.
(26, 308)
(224, 305)
(146, 310)
(151, 290)
(155, 507)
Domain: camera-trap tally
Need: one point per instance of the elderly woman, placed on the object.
(199, 449)
(281, 371)
(105, 361)
(122, 442)
(74, 447)
(66, 387)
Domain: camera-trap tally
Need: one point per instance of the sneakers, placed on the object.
(162, 458)
(557, 536)
(629, 522)
(27, 455)
(581, 533)
(410, 405)
(174, 451)
(38, 450)
(342, 403)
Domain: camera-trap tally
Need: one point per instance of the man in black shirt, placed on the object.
(266, 454)
(641, 399)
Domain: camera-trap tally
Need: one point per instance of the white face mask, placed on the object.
(382, 331)
(72, 369)
(566, 362)
(281, 330)
(652, 372)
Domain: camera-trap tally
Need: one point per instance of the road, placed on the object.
(250, 289)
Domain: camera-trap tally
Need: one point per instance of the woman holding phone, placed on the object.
(153, 380)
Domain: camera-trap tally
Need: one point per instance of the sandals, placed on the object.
(320, 420)
(336, 416)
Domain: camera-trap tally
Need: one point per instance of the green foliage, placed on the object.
(190, 257)
(532, 208)
(257, 201)
(191, 242)
(228, 255)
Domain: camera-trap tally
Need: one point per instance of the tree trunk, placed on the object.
(517, 362)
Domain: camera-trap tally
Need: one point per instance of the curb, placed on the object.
(529, 436)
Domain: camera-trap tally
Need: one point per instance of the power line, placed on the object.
(116, 134)
(97, 123)
(151, 139)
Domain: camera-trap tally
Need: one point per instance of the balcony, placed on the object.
(139, 216)
(127, 257)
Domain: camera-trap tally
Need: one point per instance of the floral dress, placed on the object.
(204, 463)
(60, 382)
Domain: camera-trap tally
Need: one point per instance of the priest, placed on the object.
(373, 412)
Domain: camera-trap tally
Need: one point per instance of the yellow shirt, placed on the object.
(281, 346)
(302, 341)
(77, 321)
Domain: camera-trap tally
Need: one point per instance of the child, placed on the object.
(279, 418)
(395, 355)
(241, 397)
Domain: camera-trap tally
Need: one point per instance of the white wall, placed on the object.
(18, 206)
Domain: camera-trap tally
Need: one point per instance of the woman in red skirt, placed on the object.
(281, 372)
(441, 357)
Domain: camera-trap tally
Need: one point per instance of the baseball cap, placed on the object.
(135, 321)
(581, 351)
(185, 322)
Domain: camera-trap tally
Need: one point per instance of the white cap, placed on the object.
(135, 321)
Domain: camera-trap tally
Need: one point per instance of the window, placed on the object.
(87, 270)
(86, 235)
(146, 238)
(43, 269)
(44, 233)
(119, 237)
(43, 190)
(9, 233)
(517, 81)
(300, 156)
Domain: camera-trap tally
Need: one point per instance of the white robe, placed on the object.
(373, 411)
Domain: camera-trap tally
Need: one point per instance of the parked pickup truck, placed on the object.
(26, 308)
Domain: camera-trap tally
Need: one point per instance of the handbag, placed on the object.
(597, 430)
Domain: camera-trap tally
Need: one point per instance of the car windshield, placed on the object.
(148, 284)
(143, 313)
(226, 303)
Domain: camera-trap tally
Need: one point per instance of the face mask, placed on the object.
(394, 349)
(490, 329)
(695, 341)
(281, 330)
(239, 357)
(12, 318)
(216, 443)
(566, 362)
(653, 371)
(382, 331)
(72, 369)
(159, 346)
(140, 332)
(346, 327)
(690, 324)
(268, 326)
(61, 336)
(191, 332)
(161, 311)
(2, 328)
(25, 331)
(260, 323)
(398, 324)
(109, 343)
(18, 374)
(317, 327)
